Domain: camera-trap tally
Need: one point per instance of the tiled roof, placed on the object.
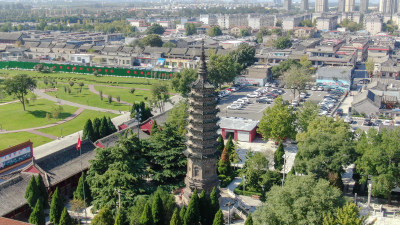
(7, 221)
(14, 36)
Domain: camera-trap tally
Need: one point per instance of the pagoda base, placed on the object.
(198, 185)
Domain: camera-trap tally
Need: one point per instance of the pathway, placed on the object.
(6, 103)
(93, 90)
(41, 93)
(33, 130)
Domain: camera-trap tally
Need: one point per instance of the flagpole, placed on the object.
(83, 178)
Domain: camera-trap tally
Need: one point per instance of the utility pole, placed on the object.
(284, 169)
(119, 198)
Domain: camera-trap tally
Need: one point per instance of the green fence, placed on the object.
(105, 71)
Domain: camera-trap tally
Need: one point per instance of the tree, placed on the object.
(261, 33)
(326, 147)
(111, 126)
(103, 131)
(282, 43)
(302, 200)
(136, 211)
(88, 131)
(109, 98)
(178, 116)
(181, 81)
(306, 23)
(369, 66)
(255, 166)
(219, 218)
(284, 66)
(306, 114)
(32, 193)
(278, 157)
(190, 29)
(104, 217)
(65, 218)
(347, 215)
(145, 111)
(154, 128)
(132, 91)
(19, 86)
(224, 164)
(278, 23)
(157, 210)
(81, 84)
(168, 44)
(37, 216)
(42, 191)
(146, 218)
(296, 78)
(175, 220)
(159, 95)
(204, 208)
(165, 148)
(119, 220)
(155, 28)
(79, 193)
(152, 40)
(304, 62)
(268, 180)
(182, 213)
(244, 32)
(278, 122)
(229, 145)
(222, 69)
(96, 128)
(192, 215)
(249, 220)
(214, 31)
(121, 166)
(378, 159)
(221, 144)
(244, 55)
(56, 207)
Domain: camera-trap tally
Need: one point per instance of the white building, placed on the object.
(258, 22)
(327, 23)
(81, 58)
(228, 21)
(373, 25)
(209, 19)
(321, 5)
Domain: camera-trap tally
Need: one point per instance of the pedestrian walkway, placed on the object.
(42, 134)
(93, 90)
(41, 94)
(6, 103)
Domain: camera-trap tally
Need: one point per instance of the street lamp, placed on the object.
(244, 183)
(138, 115)
(229, 204)
(119, 198)
(284, 168)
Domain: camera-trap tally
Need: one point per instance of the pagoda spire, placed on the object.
(202, 71)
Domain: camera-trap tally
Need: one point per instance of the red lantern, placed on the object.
(93, 69)
(54, 67)
(163, 74)
(141, 72)
(60, 67)
(169, 74)
(67, 67)
(87, 69)
(148, 73)
(81, 68)
(99, 70)
(74, 68)
(106, 70)
(111, 71)
(128, 71)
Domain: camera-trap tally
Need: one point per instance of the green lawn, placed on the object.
(87, 79)
(75, 124)
(13, 117)
(17, 138)
(125, 94)
(86, 98)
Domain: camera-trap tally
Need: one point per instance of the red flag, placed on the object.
(78, 145)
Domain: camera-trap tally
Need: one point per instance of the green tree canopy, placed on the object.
(214, 31)
(159, 95)
(155, 28)
(278, 157)
(19, 85)
(278, 122)
(181, 81)
(103, 217)
(347, 215)
(88, 131)
(297, 77)
(146, 218)
(157, 210)
(42, 191)
(65, 218)
(278, 70)
(282, 43)
(244, 55)
(145, 111)
(302, 200)
(178, 116)
(37, 216)
(175, 220)
(255, 166)
(261, 33)
(192, 215)
(379, 159)
(119, 218)
(32, 193)
(169, 44)
(152, 40)
(56, 207)
(306, 114)
(249, 220)
(182, 213)
(214, 207)
(79, 193)
(326, 147)
(204, 208)
(222, 69)
(96, 128)
(190, 29)
(221, 144)
(219, 218)
(369, 66)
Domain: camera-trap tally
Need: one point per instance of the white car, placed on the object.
(323, 113)
(240, 101)
(253, 95)
(397, 123)
(320, 88)
(245, 99)
(303, 95)
(234, 106)
(387, 122)
(314, 88)
(348, 119)
(233, 88)
(295, 103)
(267, 85)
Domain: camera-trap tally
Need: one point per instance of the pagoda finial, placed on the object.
(202, 71)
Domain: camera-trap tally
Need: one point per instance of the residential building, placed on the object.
(84, 59)
(364, 6)
(290, 22)
(259, 21)
(226, 21)
(388, 6)
(255, 75)
(287, 5)
(367, 103)
(349, 5)
(321, 6)
(11, 37)
(373, 25)
(304, 5)
(209, 19)
(236, 31)
(304, 32)
(341, 5)
(137, 23)
(335, 76)
(327, 23)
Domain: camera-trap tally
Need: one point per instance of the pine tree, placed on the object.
(119, 218)
(146, 218)
(65, 218)
(88, 131)
(204, 207)
(103, 130)
(111, 126)
(104, 217)
(43, 191)
(224, 164)
(37, 216)
(229, 145)
(157, 210)
(182, 213)
(78, 193)
(192, 215)
(175, 220)
(56, 207)
(219, 218)
(154, 128)
(214, 207)
(278, 157)
(249, 220)
(96, 128)
(32, 193)
(221, 145)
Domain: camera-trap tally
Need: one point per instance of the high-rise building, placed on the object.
(349, 5)
(304, 5)
(201, 135)
(321, 6)
(341, 5)
(364, 5)
(388, 6)
(287, 5)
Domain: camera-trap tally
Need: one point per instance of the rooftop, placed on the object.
(235, 123)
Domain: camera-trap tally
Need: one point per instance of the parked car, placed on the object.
(348, 119)
(387, 122)
(397, 123)
(263, 100)
(314, 88)
(253, 95)
(303, 95)
(339, 112)
(295, 103)
(234, 106)
(367, 122)
(320, 88)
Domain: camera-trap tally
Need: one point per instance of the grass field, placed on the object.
(13, 117)
(75, 124)
(87, 79)
(17, 138)
(124, 93)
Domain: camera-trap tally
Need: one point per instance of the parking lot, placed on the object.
(254, 110)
